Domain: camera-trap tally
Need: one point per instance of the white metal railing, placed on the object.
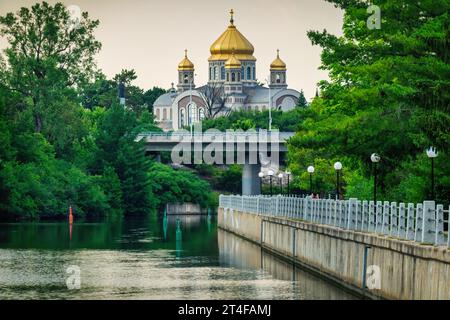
(422, 222)
(178, 135)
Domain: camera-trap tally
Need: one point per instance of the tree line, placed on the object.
(64, 139)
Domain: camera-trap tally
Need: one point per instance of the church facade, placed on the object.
(232, 85)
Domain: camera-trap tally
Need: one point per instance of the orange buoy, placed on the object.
(70, 215)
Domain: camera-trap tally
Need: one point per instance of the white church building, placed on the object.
(232, 85)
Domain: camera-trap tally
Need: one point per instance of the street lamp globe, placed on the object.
(432, 153)
(280, 176)
(261, 175)
(338, 166)
(311, 169)
(270, 173)
(375, 158)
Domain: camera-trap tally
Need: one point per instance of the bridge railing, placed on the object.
(423, 222)
(279, 136)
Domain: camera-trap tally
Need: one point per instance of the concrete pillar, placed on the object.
(410, 230)
(250, 180)
(419, 219)
(440, 239)
(352, 214)
(402, 221)
(372, 217)
(379, 217)
(428, 222)
(394, 220)
(386, 224)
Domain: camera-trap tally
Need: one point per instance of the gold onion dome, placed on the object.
(233, 62)
(231, 40)
(186, 64)
(278, 64)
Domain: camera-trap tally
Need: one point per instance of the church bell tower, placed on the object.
(278, 73)
(185, 74)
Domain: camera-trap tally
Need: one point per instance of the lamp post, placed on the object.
(311, 170)
(190, 108)
(270, 103)
(261, 176)
(271, 173)
(432, 153)
(338, 168)
(288, 173)
(375, 158)
(280, 180)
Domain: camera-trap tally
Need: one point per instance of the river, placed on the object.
(146, 258)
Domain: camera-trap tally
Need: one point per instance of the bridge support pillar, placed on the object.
(250, 180)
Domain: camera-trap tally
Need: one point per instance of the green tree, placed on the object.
(302, 100)
(117, 148)
(388, 93)
(151, 95)
(178, 186)
(46, 54)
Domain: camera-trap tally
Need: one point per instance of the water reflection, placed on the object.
(157, 257)
(179, 237)
(239, 253)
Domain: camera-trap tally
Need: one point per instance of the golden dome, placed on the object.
(186, 64)
(231, 40)
(278, 64)
(233, 62)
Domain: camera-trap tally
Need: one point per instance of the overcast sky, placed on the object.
(150, 35)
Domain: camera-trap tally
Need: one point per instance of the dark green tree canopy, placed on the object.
(46, 51)
(388, 93)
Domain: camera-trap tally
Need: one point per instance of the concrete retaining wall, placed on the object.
(183, 208)
(407, 270)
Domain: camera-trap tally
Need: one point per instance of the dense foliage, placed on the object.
(64, 140)
(284, 121)
(388, 93)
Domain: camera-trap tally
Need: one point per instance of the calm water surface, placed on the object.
(146, 258)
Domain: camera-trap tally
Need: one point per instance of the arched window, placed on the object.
(193, 116)
(201, 113)
(182, 117)
(157, 114)
(228, 77)
(249, 73)
(164, 114)
(222, 73)
(239, 76)
(215, 73)
(278, 78)
(254, 73)
(186, 78)
(233, 77)
(210, 73)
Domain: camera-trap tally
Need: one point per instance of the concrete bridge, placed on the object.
(251, 149)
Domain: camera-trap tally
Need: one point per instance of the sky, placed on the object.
(150, 36)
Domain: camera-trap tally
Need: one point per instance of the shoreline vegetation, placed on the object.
(66, 141)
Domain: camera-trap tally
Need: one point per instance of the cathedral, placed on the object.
(232, 85)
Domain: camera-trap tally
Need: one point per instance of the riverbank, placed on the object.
(401, 269)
